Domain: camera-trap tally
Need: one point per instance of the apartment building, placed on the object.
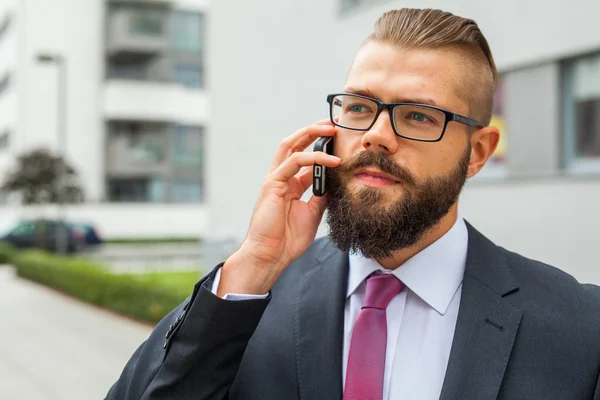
(135, 112)
(539, 194)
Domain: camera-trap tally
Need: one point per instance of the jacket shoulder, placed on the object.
(554, 286)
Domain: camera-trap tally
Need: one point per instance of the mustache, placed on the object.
(379, 160)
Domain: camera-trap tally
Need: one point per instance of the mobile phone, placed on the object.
(324, 144)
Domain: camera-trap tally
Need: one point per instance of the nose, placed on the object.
(381, 136)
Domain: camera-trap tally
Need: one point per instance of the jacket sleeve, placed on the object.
(597, 392)
(194, 352)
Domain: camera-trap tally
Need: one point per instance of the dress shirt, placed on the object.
(420, 320)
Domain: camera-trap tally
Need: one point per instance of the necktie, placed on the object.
(366, 359)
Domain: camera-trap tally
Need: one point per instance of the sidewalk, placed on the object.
(53, 347)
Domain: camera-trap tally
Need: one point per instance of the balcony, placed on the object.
(155, 101)
(135, 34)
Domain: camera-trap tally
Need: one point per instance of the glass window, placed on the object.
(4, 82)
(349, 4)
(5, 24)
(24, 228)
(190, 77)
(4, 140)
(499, 156)
(143, 144)
(186, 191)
(128, 69)
(188, 32)
(582, 110)
(136, 190)
(188, 145)
(146, 22)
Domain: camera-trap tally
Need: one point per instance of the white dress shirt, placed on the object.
(420, 320)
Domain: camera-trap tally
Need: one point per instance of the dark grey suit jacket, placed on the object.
(525, 330)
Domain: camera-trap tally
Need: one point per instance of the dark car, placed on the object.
(42, 234)
(89, 233)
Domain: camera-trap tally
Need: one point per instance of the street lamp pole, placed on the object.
(59, 61)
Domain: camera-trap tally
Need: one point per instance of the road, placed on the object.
(53, 347)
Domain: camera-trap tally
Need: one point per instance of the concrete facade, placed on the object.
(77, 30)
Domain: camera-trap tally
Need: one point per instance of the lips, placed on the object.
(373, 173)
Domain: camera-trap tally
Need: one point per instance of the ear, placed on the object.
(483, 145)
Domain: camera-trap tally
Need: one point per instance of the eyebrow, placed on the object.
(397, 99)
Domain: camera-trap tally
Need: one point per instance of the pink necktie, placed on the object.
(366, 360)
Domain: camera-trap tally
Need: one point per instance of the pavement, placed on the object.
(53, 347)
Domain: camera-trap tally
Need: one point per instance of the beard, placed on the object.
(367, 221)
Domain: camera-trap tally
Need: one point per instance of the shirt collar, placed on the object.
(434, 274)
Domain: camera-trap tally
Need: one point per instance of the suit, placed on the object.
(525, 330)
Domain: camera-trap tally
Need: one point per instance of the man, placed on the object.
(404, 299)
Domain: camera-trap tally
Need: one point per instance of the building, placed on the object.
(276, 63)
(136, 106)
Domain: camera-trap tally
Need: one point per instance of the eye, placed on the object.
(420, 117)
(358, 108)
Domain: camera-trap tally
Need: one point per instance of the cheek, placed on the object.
(428, 160)
(346, 143)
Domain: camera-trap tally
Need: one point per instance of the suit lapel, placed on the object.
(486, 327)
(319, 324)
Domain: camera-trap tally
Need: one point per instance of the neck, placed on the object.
(432, 235)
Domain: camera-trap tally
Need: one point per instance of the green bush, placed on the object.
(7, 252)
(92, 283)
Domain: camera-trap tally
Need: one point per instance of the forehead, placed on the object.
(394, 74)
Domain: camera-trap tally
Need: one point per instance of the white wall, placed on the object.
(271, 67)
(75, 29)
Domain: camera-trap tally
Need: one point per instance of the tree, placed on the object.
(42, 177)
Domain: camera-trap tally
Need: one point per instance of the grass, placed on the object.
(179, 282)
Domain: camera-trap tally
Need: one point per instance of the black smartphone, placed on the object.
(324, 144)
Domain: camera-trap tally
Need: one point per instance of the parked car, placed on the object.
(41, 233)
(90, 234)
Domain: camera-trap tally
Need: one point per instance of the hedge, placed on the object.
(7, 252)
(92, 283)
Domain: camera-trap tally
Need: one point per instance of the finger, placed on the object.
(300, 140)
(317, 205)
(305, 177)
(290, 167)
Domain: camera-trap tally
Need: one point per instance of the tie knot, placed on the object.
(381, 289)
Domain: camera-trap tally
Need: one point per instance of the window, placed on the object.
(136, 190)
(188, 32)
(349, 4)
(186, 191)
(581, 93)
(146, 22)
(496, 166)
(4, 140)
(143, 143)
(5, 24)
(190, 77)
(499, 156)
(128, 69)
(188, 144)
(4, 82)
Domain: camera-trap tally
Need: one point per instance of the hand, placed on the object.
(282, 226)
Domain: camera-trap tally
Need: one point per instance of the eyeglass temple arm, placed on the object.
(466, 120)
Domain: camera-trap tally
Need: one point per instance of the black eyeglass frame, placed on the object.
(450, 116)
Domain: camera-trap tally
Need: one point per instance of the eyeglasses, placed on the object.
(420, 122)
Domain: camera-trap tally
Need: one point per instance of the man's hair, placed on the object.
(437, 29)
